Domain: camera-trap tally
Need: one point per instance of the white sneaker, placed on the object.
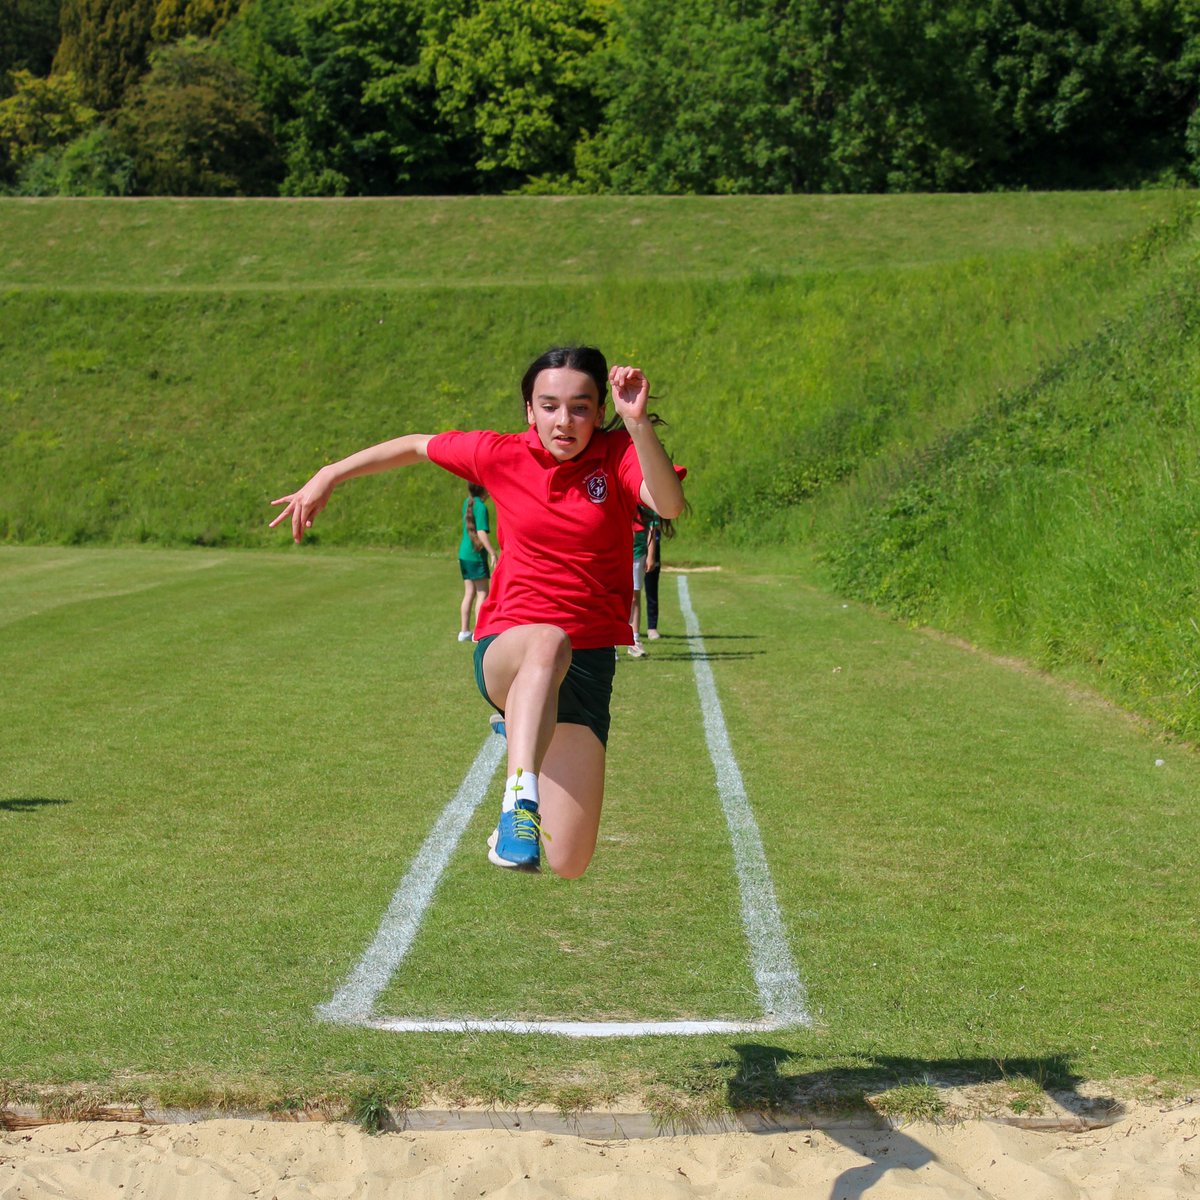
(637, 650)
(464, 636)
(652, 635)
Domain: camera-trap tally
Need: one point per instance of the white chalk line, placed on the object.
(780, 990)
(575, 1029)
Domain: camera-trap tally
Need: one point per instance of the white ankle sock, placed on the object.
(523, 785)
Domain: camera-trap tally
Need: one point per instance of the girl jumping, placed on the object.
(566, 491)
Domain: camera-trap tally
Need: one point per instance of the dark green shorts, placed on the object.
(473, 568)
(583, 698)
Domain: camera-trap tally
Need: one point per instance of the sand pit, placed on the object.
(1150, 1154)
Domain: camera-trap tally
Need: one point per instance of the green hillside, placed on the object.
(138, 413)
(173, 244)
(1062, 523)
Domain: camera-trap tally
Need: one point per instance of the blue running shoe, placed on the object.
(517, 840)
(497, 723)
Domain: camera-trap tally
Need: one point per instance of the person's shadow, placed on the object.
(26, 804)
(760, 1086)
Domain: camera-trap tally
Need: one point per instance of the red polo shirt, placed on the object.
(563, 527)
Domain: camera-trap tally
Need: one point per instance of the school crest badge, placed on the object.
(597, 487)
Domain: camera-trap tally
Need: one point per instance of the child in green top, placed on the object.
(476, 558)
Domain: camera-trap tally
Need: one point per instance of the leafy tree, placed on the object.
(342, 83)
(512, 82)
(28, 37)
(107, 44)
(174, 19)
(1089, 92)
(691, 101)
(891, 94)
(1185, 78)
(194, 128)
(94, 164)
(39, 115)
(788, 95)
(385, 96)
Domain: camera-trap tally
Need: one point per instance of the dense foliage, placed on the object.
(380, 97)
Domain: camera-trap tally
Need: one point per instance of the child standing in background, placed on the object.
(476, 558)
(654, 534)
(648, 531)
(640, 522)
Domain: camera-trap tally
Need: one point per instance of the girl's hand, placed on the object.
(630, 392)
(303, 506)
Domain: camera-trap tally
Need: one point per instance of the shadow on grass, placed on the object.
(662, 649)
(761, 1084)
(709, 637)
(719, 656)
(24, 804)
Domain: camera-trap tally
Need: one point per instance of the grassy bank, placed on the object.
(971, 412)
(1062, 523)
(171, 417)
(224, 245)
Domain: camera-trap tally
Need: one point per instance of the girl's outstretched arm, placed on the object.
(304, 505)
(661, 489)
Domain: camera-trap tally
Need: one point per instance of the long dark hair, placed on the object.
(587, 359)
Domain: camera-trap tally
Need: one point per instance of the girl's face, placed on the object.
(565, 410)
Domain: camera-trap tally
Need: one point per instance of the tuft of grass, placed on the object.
(372, 1111)
(914, 1100)
(379, 1105)
(1026, 1097)
(1024, 1094)
(675, 1113)
(572, 1100)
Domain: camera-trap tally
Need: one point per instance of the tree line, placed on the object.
(386, 97)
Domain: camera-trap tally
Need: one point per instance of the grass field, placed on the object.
(219, 765)
(1062, 524)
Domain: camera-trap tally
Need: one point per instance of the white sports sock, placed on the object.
(524, 784)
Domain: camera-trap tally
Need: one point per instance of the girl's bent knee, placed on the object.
(571, 869)
(569, 863)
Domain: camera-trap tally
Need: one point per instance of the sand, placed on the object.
(1152, 1153)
